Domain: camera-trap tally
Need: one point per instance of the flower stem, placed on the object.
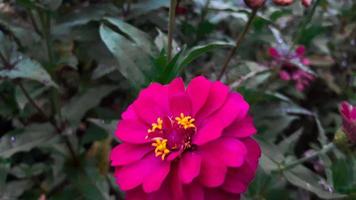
(295, 163)
(45, 20)
(171, 23)
(51, 120)
(4, 61)
(304, 23)
(239, 81)
(33, 22)
(237, 44)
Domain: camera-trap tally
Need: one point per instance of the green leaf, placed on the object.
(80, 104)
(25, 170)
(28, 138)
(288, 144)
(344, 175)
(15, 189)
(82, 16)
(92, 134)
(268, 186)
(161, 42)
(197, 51)
(51, 4)
(141, 39)
(4, 170)
(90, 184)
(145, 6)
(302, 177)
(33, 91)
(6, 45)
(134, 64)
(274, 118)
(108, 126)
(28, 69)
(271, 156)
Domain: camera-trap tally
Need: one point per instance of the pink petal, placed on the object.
(217, 96)
(131, 131)
(136, 194)
(152, 103)
(306, 3)
(189, 167)
(127, 153)
(148, 110)
(212, 173)
(176, 185)
(180, 103)
(219, 194)
(299, 86)
(235, 108)
(135, 174)
(284, 75)
(300, 51)
(237, 180)
(353, 113)
(345, 110)
(153, 180)
(176, 86)
(241, 128)
(305, 61)
(198, 91)
(164, 192)
(253, 152)
(129, 113)
(274, 53)
(194, 191)
(227, 151)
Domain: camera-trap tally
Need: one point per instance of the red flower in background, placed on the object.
(283, 2)
(348, 114)
(305, 3)
(254, 4)
(288, 69)
(180, 10)
(189, 143)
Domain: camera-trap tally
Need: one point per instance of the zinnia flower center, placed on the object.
(170, 134)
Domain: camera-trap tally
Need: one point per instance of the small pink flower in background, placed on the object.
(190, 143)
(283, 2)
(348, 114)
(306, 3)
(255, 4)
(180, 10)
(288, 69)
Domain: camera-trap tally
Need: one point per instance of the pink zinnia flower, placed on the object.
(189, 143)
(288, 70)
(348, 114)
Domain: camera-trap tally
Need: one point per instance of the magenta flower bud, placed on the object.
(289, 71)
(306, 3)
(255, 4)
(348, 114)
(283, 2)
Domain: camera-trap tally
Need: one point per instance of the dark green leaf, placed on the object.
(28, 69)
(132, 64)
(28, 138)
(197, 51)
(76, 108)
(301, 176)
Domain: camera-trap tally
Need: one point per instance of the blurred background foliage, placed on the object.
(68, 68)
